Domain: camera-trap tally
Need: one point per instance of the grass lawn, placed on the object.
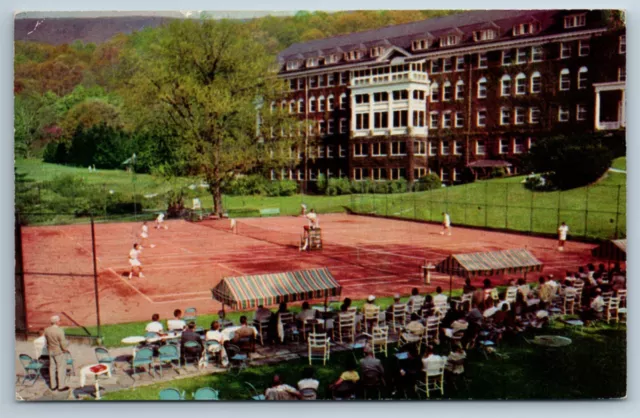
(620, 163)
(597, 211)
(593, 366)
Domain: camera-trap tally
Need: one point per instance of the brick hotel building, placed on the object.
(465, 92)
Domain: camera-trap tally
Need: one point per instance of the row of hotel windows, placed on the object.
(400, 119)
(381, 174)
(441, 148)
(383, 96)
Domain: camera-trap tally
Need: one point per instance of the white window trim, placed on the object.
(478, 117)
(564, 72)
(482, 81)
(515, 149)
(533, 56)
(582, 70)
(445, 113)
(582, 45)
(515, 116)
(442, 147)
(562, 50)
(455, 148)
(444, 89)
(535, 75)
(504, 54)
(500, 143)
(560, 108)
(518, 53)
(459, 96)
(401, 153)
(502, 110)
(484, 151)
(504, 78)
(436, 114)
(381, 146)
(578, 106)
(519, 77)
(622, 44)
(486, 60)
(531, 111)
(461, 125)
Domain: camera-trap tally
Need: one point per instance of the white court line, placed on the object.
(89, 253)
(131, 286)
(180, 300)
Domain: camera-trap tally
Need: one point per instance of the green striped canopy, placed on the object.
(611, 250)
(490, 263)
(269, 289)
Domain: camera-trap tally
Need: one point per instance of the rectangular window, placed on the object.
(449, 40)
(505, 116)
(435, 66)
(536, 53)
(418, 118)
(313, 175)
(330, 103)
(329, 151)
(457, 147)
(419, 148)
(362, 98)
(379, 174)
(622, 44)
(313, 82)
(459, 91)
(506, 86)
(447, 65)
(520, 115)
(398, 148)
(482, 60)
(459, 119)
(518, 146)
(536, 83)
(521, 56)
(482, 88)
(362, 121)
(330, 127)
(446, 120)
(321, 102)
(378, 149)
(521, 85)
(379, 97)
(481, 118)
(460, 64)
(504, 146)
(419, 172)
(456, 174)
(445, 148)
(575, 21)
(622, 74)
(433, 120)
(565, 80)
(381, 120)
(444, 175)
(301, 84)
(321, 80)
(581, 112)
(435, 93)
(360, 150)
(344, 78)
(507, 58)
(342, 151)
(358, 174)
(400, 118)
(447, 91)
(293, 84)
(343, 125)
(299, 175)
(565, 50)
(563, 114)
(584, 48)
(322, 130)
(400, 94)
(398, 173)
(534, 115)
(320, 151)
(481, 148)
(418, 95)
(582, 78)
(433, 148)
(330, 80)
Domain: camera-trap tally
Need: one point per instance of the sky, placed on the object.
(183, 13)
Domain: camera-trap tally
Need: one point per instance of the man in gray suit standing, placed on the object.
(57, 346)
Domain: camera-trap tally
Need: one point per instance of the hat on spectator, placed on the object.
(371, 298)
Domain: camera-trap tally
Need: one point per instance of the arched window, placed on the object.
(273, 107)
(292, 106)
(582, 78)
(343, 101)
(521, 84)
(505, 85)
(283, 105)
(312, 104)
(536, 83)
(460, 90)
(321, 104)
(565, 79)
(435, 92)
(447, 91)
(301, 106)
(330, 101)
(482, 88)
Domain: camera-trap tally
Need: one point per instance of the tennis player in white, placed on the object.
(160, 221)
(136, 265)
(563, 229)
(446, 224)
(314, 223)
(144, 235)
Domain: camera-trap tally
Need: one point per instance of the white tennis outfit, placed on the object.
(314, 222)
(160, 218)
(133, 258)
(447, 220)
(145, 232)
(562, 232)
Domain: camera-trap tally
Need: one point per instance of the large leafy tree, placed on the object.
(33, 113)
(208, 82)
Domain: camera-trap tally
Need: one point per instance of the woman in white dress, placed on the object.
(446, 224)
(160, 221)
(136, 265)
(144, 235)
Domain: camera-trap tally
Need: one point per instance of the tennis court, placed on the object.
(366, 255)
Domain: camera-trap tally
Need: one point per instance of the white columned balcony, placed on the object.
(610, 125)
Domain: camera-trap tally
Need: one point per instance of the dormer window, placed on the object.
(449, 40)
(525, 29)
(353, 55)
(485, 35)
(420, 45)
(293, 65)
(575, 21)
(376, 51)
(313, 62)
(332, 59)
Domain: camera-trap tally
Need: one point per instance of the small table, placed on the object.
(94, 370)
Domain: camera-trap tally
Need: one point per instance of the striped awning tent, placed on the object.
(615, 250)
(490, 263)
(246, 292)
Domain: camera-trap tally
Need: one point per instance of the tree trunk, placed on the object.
(216, 193)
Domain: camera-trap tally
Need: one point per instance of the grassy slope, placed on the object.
(528, 371)
(620, 163)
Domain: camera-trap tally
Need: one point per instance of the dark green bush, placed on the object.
(428, 182)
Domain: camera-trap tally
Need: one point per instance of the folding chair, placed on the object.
(612, 310)
(346, 326)
(142, 357)
(32, 368)
(380, 340)
(253, 392)
(263, 329)
(237, 359)
(189, 352)
(171, 394)
(398, 316)
(511, 294)
(464, 298)
(568, 301)
(318, 347)
(371, 317)
(190, 315)
(206, 394)
(168, 354)
(418, 301)
(103, 357)
(433, 328)
(434, 376)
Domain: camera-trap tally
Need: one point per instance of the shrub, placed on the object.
(428, 182)
(321, 184)
(497, 172)
(398, 186)
(339, 186)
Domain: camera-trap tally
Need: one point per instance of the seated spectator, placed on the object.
(281, 326)
(487, 288)
(308, 386)
(155, 325)
(428, 305)
(439, 297)
(415, 326)
(520, 307)
(306, 313)
(596, 308)
(346, 304)
(603, 271)
(215, 335)
(489, 309)
(414, 298)
(455, 360)
(262, 314)
(177, 323)
(477, 297)
(190, 335)
(468, 288)
(523, 288)
(368, 310)
(546, 291)
(581, 274)
(346, 385)
(428, 357)
(244, 332)
(370, 363)
(409, 371)
(590, 275)
(280, 391)
(618, 281)
(500, 317)
(402, 307)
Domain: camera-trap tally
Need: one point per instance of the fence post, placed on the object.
(486, 204)
(506, 207)
(531, 214)
(415, 209)
(95, 275)
(559, 205)
(586, 212)
(466, 203)
(617, 211)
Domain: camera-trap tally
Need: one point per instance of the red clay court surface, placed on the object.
(366, 256)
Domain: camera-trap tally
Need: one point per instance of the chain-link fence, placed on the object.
(590, 212)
